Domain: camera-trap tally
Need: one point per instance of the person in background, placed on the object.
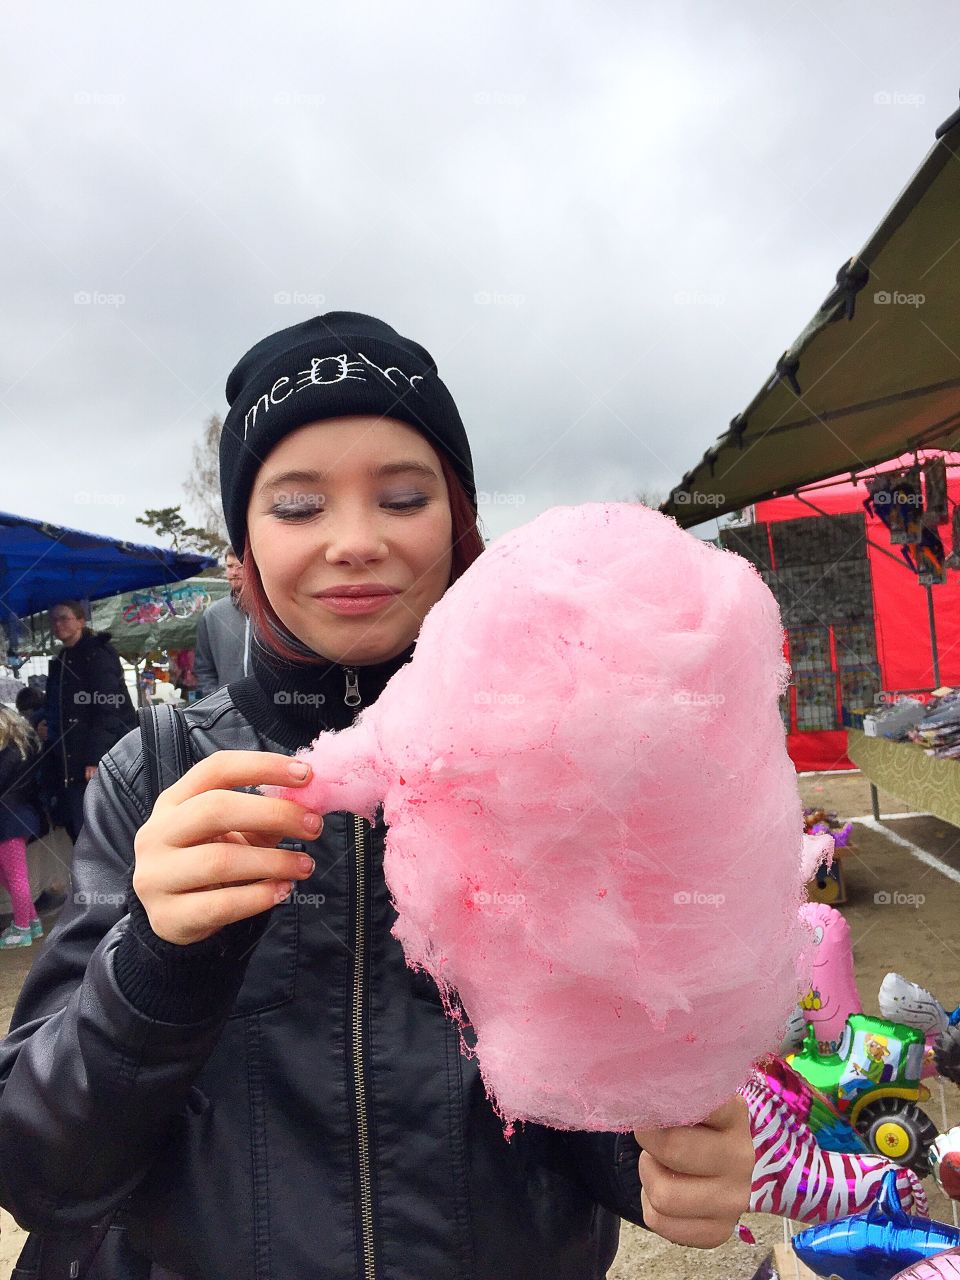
(223, 636)
(31, 703)
(88, 709)
(21, 819)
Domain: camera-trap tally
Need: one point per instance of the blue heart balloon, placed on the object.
(874, 1245)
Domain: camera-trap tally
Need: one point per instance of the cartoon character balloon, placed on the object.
(833, 995)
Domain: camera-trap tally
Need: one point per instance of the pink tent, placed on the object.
(900, 605)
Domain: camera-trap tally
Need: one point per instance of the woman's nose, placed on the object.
(354, 541)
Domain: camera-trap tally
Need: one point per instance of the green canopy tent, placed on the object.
(163, 617)
(876, 372)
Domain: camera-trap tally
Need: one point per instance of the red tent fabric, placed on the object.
(900, 607)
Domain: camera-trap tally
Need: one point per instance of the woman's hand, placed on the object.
(697, 1178)
(203, 859)
(88, 771)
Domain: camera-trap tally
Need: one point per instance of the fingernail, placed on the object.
(299, 770)
(283, 892)
(311, 821)
(306, 863)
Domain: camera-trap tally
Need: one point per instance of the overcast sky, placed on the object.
(605, 221)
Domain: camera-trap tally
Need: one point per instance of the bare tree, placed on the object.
(647, 498)
(202, 486)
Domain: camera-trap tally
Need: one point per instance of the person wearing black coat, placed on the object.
(88, 708)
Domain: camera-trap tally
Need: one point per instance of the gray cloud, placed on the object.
(606, 223)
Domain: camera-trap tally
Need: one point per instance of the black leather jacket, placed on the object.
(312, 1115)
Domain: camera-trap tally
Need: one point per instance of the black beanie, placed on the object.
(331, 366)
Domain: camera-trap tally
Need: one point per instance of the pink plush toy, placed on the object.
(573, 769)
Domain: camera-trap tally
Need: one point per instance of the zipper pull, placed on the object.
(352, 696)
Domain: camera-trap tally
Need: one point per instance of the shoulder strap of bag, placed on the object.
(166, 746)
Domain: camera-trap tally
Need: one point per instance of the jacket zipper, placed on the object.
(363, 1136)
(352, 695)
(352, 699)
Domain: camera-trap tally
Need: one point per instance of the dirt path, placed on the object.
(919, 940)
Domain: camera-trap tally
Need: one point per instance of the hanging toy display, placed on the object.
(934, 492)
(953, 559)
(896, 498)
(572, 773)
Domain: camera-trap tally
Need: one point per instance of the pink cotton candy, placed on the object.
(595, 833)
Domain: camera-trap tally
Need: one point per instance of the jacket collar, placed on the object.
(292, 703)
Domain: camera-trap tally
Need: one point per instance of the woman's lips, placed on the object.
(350, 605)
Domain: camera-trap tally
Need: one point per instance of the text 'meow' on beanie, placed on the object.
(331, 366)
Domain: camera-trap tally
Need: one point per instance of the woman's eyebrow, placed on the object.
(300, 476)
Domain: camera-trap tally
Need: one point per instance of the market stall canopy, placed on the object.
(141, 621)
(876, 372)
(41, 563)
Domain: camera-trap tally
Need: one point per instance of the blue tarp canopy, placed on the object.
(41, 563)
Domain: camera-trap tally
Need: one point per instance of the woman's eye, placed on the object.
(406, 504)
(300, 511)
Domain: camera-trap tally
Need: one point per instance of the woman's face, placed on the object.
(360, 503)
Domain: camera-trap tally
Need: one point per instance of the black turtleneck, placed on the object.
(289, 703)
(292, 703)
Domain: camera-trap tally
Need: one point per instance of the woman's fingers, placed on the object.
(225, 863)
(202, 817)
(228, 769)
(202, 860)
(212, 910)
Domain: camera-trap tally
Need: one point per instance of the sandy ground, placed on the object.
(919, 941)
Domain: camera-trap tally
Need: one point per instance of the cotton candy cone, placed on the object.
(595, 833)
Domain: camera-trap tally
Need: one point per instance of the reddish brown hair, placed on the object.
(467, 545)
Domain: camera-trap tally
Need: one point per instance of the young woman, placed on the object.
(88, 707)
(21, 820)
(222, 1035)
